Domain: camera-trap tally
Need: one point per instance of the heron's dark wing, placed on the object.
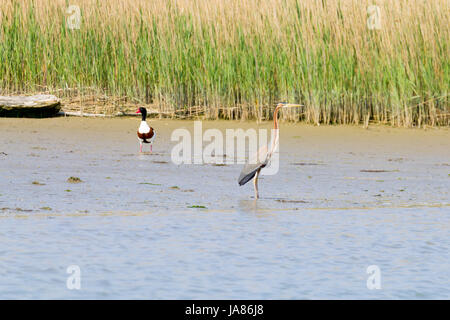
(258, 161)
(248, 172)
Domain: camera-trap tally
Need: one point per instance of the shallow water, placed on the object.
(345, 198)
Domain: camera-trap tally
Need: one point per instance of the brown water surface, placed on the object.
(140, 226)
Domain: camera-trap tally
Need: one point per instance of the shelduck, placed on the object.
(145, 133)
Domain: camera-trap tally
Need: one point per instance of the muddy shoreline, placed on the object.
(388, 159)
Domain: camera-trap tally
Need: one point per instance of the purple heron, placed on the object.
(252, 169)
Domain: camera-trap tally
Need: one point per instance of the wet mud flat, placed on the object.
(76, 191)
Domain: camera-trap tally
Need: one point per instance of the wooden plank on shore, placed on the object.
(36, 106)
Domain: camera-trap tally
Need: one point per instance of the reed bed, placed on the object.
(235, 59)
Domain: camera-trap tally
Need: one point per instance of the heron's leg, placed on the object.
(255, 184)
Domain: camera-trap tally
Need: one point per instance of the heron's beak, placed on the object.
(290, 105)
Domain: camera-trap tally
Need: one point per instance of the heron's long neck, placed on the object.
(275, 117)
(275, 127)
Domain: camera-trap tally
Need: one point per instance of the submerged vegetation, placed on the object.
(235, 59)
(74, 180)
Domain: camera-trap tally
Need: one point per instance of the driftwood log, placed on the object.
(37, 106)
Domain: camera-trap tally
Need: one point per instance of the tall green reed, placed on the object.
(243, 56)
